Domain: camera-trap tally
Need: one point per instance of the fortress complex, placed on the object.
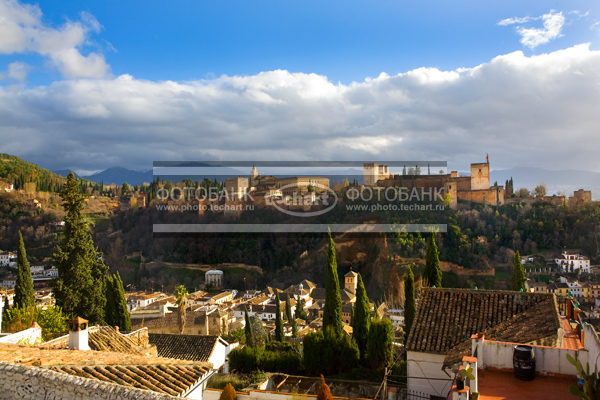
(269, 185)
(475, 188)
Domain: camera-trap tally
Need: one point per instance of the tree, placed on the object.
(300, 312)
(324, 393)
(279, 335)
(181, 300)
(361, 319)
(380, 347)
(288, 309)
(540, 190)
(228, 393)
(121, 314)
(518, 279)
(24, 294)
(248, 330)
(110, 307)
(294, 328)
(81, 283)
(332, 312)
(410, 309)
(125, 189)
(433, 273)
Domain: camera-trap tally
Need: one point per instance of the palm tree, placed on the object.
(181, 295)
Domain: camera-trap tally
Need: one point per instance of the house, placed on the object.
(8, 259)
(562, 289)
(156, 309)
(208, 349)
(9, 282)
(111, 366)
(141, 299)
(447, 318)
(573, 262)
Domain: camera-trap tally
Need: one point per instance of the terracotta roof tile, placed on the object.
(184, 347)
(448, 317)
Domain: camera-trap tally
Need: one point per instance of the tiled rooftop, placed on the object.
(495, 385)
(175, 380)
(184, 347)
(44, 357)
(448, 317)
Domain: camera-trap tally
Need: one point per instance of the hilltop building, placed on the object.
(475, 188)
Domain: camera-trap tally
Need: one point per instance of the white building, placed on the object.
(8, 259)
(396, 316)
(214, 277)
(572, 262)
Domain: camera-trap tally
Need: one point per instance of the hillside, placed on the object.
(21, 173)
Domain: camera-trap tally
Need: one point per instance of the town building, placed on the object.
(214, 278)
(573, 262)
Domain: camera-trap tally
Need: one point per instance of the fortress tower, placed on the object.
(253, 176)
(480, 175)
(351, 281)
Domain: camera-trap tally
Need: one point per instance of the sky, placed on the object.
(95, 84)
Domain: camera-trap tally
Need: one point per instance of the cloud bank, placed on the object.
(528, 111)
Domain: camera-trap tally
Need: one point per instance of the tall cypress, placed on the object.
(518, 279)
(123, 320)
(433, 273)
(332, 312)
(24, 295)
(410, 308)
(288, 309)
(361, 319)
(248, 330)
(294, 328)
(279, 334)
(109, 309)
(80, 287)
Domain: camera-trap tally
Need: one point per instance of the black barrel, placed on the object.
(524, 362)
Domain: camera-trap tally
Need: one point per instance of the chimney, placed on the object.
(78, 334)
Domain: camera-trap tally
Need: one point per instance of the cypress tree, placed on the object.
(433, 273)
(380, 346)
(361, 318)
(248, 330)
(332, 312)
(279, 335)
(410, 309)
(121, 314)
(294, 328)
(80, 287)
(24, 295)
(518, 279)
(288, 309)
(110, 307)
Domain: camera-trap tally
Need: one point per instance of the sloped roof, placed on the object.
(448, 317)
(351, 274)
(184, 347)
(347, 295)
(528, 326)
(174, 380)
(170, 319)
(106, 338)
(318, 293)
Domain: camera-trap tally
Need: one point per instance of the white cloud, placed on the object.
(18, 71)
(22, 30)
(553, 23)
(516, 20)
(537, 111)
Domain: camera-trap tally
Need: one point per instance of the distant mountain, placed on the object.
(120, 175)
(65, 172)
(556, 181)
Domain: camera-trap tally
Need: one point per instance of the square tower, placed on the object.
(351, 281)
(480, 176)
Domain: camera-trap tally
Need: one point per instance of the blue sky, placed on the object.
(343, 40)
(89, 85)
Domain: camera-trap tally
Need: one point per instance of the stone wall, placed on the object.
(31, 383)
